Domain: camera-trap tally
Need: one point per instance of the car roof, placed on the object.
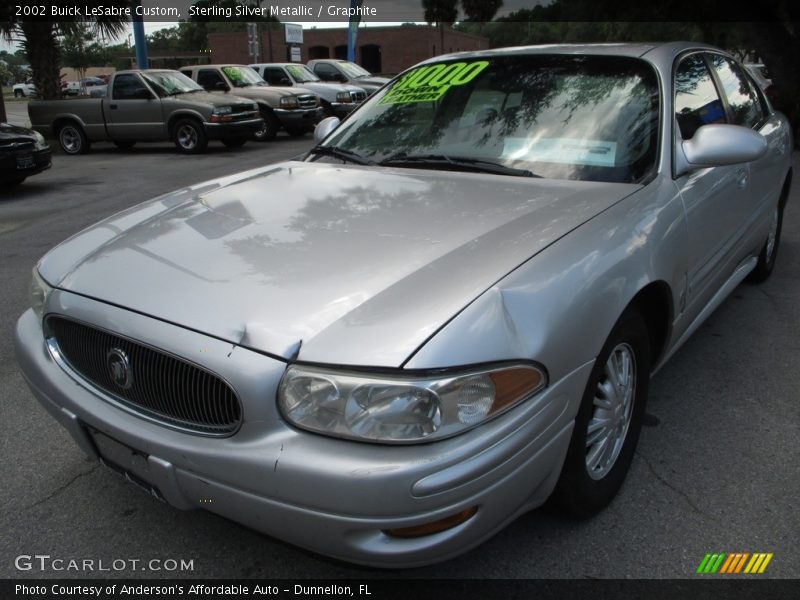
(636, 49)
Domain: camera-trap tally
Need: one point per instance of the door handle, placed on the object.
(742, 177)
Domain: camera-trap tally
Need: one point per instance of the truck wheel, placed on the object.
(234, 142)
(125, 145)
(189, 136)
(72, 139)
(270, 129)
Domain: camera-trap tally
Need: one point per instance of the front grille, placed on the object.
(158, 385)
(17, 144)
(307, 101)
(358, 97)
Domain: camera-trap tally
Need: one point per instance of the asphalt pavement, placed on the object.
(716, 469)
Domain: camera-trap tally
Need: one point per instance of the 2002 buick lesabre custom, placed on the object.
(444, 315)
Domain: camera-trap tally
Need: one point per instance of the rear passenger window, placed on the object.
(697, 102)
(741, 97)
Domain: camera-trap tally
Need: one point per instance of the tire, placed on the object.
(591, 476)
(19, 94)
(769, 252)
(234, 142)
(189, 136)
(14, 182)
(271, 127)
(72, 139)
(125, 145)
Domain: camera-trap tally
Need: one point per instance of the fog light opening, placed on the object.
(434, 527)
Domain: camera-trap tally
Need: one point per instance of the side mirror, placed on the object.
(286, 81)
(142, 94)
(340, 78)
(719, 145)
(221, 86)
(324, 128)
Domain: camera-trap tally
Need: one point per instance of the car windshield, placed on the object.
(301, 73)
(243, 76)
(566, 117)
(170, 83)
(352, 70)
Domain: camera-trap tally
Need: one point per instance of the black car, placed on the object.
(23, 153)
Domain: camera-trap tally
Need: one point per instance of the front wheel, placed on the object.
(608, 423)
(189, 136)
(270, 129)
(72, 139)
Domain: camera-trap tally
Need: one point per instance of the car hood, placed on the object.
(323, 262)
(12, 132)
(375, 82)
(206, 98)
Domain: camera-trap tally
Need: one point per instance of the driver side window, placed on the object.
(697, 101)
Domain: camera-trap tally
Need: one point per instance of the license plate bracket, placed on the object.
(129, 463)
(25, 161)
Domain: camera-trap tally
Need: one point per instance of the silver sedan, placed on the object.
(442, 317)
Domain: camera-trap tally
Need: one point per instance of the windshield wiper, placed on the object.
(442, 160)
(345, 155)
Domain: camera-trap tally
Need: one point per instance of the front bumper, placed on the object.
(330, 496)
(23, 163)
(341, 110)
(233, 129)
(300, 118)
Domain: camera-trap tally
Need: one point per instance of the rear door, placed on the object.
(133, 110)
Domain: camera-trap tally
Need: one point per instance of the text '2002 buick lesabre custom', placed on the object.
(445, 314)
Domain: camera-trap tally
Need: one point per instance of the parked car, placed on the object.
(147, 106)
(23, 153)
(760, 73)
(337, 100)
(70, 88)
(22, 90)
(294, 109)
(344, 71)
(447, 313)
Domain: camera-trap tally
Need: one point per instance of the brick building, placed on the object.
(379, 49)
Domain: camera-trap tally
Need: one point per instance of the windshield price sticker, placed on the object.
(431, 82)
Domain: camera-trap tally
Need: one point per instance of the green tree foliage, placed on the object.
(442, 12)
(79, 49)
(40, 40)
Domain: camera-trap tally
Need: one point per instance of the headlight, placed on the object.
(290, 102)
(39, 292)
(402, 408)
(41, 143)
(344, 97)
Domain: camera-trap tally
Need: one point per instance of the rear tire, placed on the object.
(769, 252)
(608, 423)
(189, 137)
(72, 139)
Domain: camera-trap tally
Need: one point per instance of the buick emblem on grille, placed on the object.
(119, 367)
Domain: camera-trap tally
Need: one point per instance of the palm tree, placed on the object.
(39, 39)
(481, 11)
(440, 12)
